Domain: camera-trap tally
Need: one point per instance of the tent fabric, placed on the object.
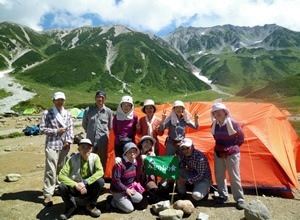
(29, 111)
(74, 112)
(80, 115)
(269, 154)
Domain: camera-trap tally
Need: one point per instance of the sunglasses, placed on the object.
(185, 148)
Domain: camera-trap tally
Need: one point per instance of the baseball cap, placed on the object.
(186, 142)
(59, 95)
(100, 93)
(85, 141)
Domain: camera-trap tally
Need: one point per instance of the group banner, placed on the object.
(163, 166)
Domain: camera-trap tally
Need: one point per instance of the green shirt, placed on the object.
(85, 172)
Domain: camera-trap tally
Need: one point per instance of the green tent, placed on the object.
(74, 112)
(29, 111)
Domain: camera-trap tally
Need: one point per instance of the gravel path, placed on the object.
(19, 94)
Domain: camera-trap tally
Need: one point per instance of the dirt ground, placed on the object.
(23, 199)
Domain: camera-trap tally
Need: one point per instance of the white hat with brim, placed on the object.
(59, 95)
(85, 141)
(149, 102)
(219, 106)
(178, 103)
(147, 137)
(127, 98)
(129, 146)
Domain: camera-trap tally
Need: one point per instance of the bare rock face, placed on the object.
(170, 214)
(13, 177)
(184, 205)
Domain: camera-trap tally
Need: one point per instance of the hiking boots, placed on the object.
(68, 213)
(240, 205)
(94, 212)
(48, 202)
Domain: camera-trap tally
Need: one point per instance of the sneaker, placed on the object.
(240, 205)
(220, 200)
(94, 212)
(68, 213)
(48, 202)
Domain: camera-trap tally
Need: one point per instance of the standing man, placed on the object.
(97, 122)
(194, 170)
(57, 124)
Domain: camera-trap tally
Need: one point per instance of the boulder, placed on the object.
(184, 205)
(170, 214)
(256, 210)
(160, 206)
(13, 177)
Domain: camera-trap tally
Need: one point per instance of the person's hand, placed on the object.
(118, 161)
(138, 126)
(164, 115)
(81, 188)
(60, 131)
(130, 192)
(67, 145)
(196, 116)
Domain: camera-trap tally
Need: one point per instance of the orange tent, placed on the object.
(268, 155)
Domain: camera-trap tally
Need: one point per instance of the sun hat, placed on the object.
(219, 106)
(178, 103)
(148, 102)
(100, 93)
(129, 146)
(127, 98)
(85, 141)
(147, 137)
(59, 95)
(186, 142)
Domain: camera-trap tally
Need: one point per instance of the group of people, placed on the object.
(81, 175)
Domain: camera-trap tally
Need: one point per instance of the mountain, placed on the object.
(113, 58)
(239, 57)
(239, 60)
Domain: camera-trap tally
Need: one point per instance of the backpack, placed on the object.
(31, 130)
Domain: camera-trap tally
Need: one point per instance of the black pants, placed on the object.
(93, 192)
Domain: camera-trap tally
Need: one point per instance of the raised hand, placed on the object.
(164, 115)
(196, 116)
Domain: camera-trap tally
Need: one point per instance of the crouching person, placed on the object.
(195, 170)
(146, 147)
(124, 188)
(81, 177)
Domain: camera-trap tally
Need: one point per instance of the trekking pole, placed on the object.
(173, 193)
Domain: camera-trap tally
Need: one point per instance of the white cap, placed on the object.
(147, 137)
(59, 95)
(186, 142)
(127, 98)
(178, 103)
(85, 141)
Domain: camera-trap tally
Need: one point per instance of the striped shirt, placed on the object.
(222, 138)
(123, 176)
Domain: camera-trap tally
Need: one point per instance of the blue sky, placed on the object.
(153, 16)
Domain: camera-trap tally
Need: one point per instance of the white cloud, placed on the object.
(154, 15)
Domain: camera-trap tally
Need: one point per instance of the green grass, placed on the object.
(4, 94)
